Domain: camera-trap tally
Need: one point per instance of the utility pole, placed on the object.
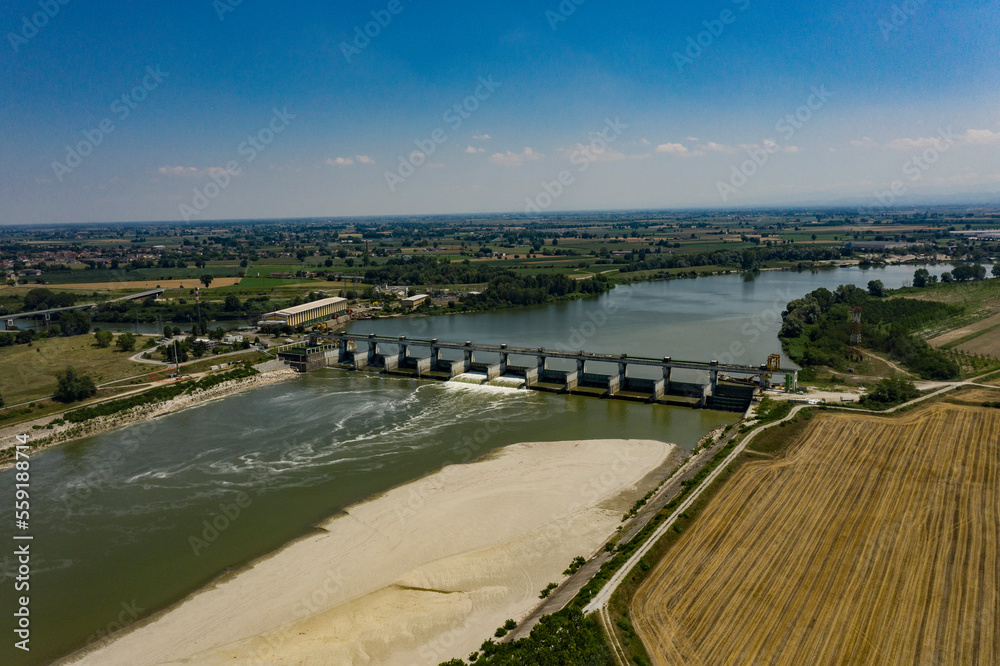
(197, 300)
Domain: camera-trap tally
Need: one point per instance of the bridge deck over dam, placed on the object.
(726, 386)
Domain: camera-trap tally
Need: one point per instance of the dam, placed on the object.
(727, 387)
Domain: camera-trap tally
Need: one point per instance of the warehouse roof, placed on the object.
(306, 307)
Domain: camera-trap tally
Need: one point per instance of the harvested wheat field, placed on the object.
(873, 542)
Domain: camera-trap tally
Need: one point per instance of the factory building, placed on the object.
(414, 302)
(308, 314)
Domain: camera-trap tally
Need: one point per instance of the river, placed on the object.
(113, 517)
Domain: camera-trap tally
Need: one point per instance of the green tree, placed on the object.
(168, 331)
(103, 338)
(125, 342)
(891, 391)
(876, 288)
(996, 270)
(233, 303)
(921, 277)
(73, 387)
(207, 280)
(1, 402)
(74, 322)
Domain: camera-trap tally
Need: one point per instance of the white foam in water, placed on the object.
(509, 381)
(470, 378)
(477, 380)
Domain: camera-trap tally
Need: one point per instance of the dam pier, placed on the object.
(728, 387)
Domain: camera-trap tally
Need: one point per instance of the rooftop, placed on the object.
(305, 307)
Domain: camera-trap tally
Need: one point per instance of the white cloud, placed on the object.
(983, 137)
(516, 159)
(338, 161)
(482, 137)
(672, 148)
(678, 149)
(364, 159)
(472, 151)
(714, 147)
(914, 144)
(773, 147)
(607, 155)
(971, 137)
(178, 171)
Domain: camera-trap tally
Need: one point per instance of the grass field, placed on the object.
(875, 540)
(29, 373)
(141, 285)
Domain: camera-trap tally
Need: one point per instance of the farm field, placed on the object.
(190, 283)
(873, 541)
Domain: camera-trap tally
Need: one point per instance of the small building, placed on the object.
(414, 302)
(308, 314)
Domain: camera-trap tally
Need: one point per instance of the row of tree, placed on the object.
(509, 289)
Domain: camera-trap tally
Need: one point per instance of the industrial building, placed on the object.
(308, 314)
(414, 302)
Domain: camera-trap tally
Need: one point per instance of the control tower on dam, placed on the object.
(724, 386)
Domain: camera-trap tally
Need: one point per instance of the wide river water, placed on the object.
(113, 516)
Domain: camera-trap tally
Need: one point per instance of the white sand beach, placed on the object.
(418, 575)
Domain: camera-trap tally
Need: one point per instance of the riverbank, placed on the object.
(419, 574)
(67, 432)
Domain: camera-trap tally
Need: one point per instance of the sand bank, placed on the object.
(418, 575)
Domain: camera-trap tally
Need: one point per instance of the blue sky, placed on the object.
(894, 101)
